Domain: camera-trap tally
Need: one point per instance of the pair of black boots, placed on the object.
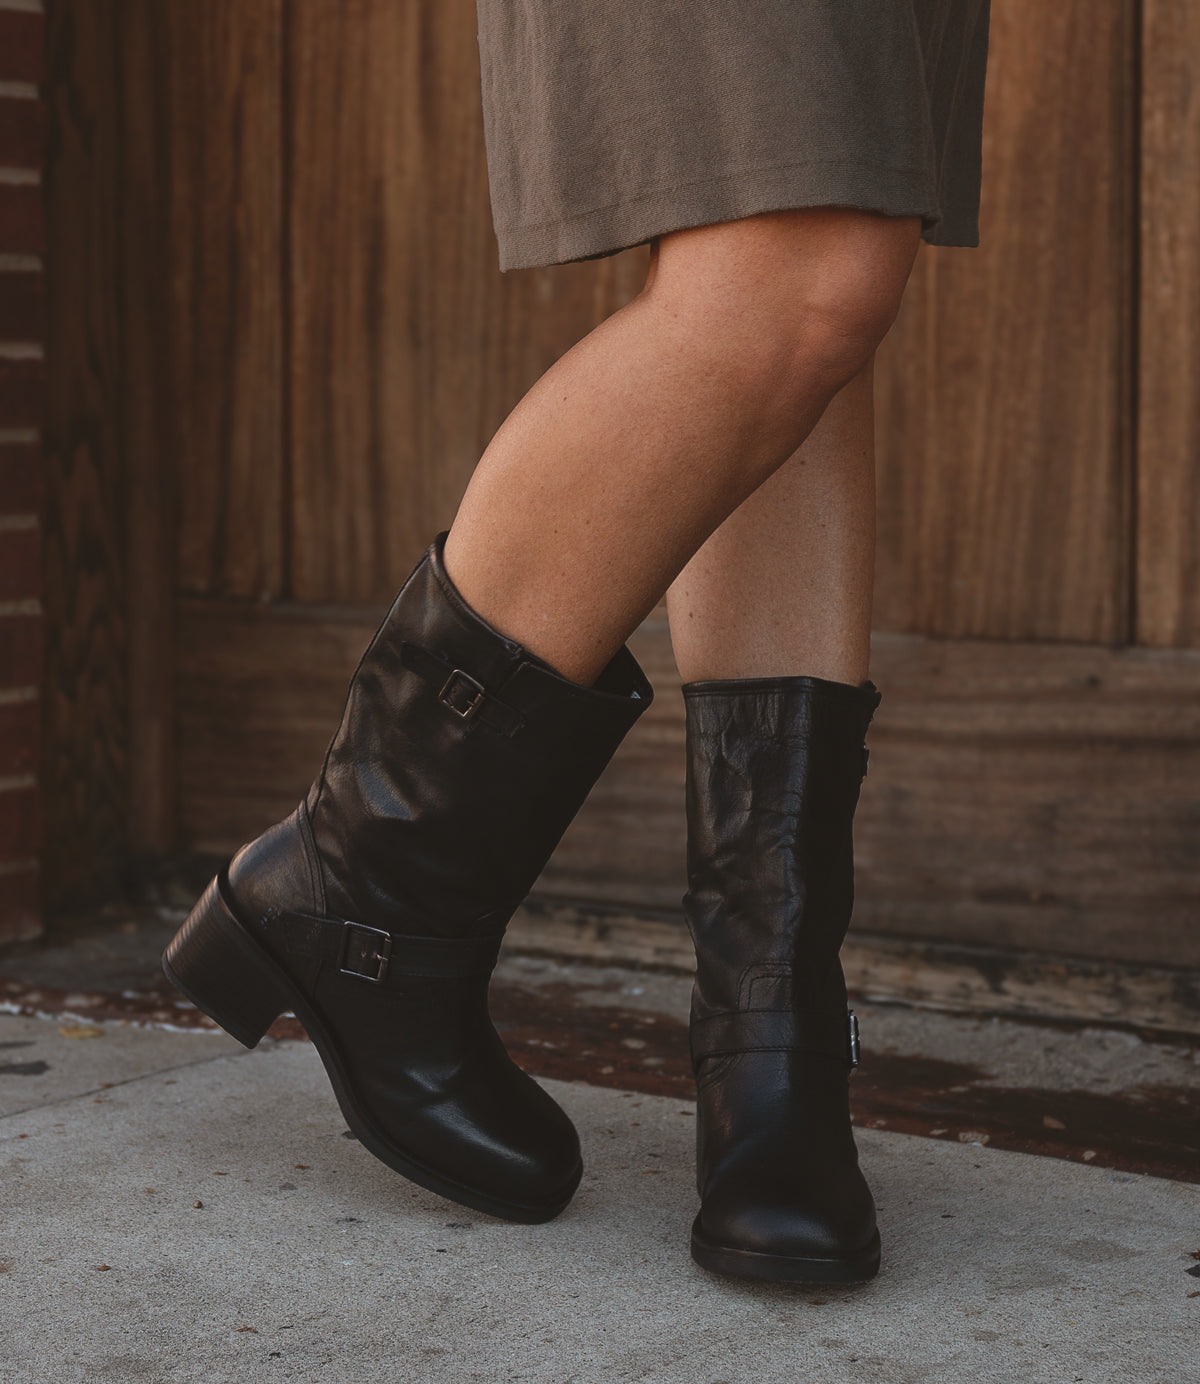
(376, 910)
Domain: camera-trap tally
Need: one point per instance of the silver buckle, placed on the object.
(476, 700)
(852, 1025)
(381, 954)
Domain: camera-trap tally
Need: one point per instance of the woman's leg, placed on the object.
(770, 622)
(783, 586)
(627, 454)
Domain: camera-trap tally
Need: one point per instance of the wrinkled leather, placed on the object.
(774, 767)
(427, 825)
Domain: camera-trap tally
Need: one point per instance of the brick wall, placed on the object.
(22, 333)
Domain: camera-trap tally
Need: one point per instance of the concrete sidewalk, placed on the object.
(177, 1209)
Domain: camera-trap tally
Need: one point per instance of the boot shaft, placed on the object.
(461, 755)
(774, 767)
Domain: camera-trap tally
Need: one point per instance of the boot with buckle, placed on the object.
(375, 911)
(774, 767)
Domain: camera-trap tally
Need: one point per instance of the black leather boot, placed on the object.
(375, 911)
(774, 767)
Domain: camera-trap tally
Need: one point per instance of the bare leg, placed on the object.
(632, 449)
(783, 586)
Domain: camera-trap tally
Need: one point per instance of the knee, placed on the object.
(831, 326)
(791, 300)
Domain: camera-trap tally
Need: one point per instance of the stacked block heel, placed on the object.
(224, 972)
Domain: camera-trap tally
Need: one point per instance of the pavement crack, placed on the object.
(110, 1086)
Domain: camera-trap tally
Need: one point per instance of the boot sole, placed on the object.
(230, 977)
(784, 1268)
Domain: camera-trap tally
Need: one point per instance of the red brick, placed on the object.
(22, 393)
(20, 905)
(21, 650)
(21, 228)
(22, 127)
(22, 307)
(20, 564)
(20, 824)
(20, 727)
(21, 472)
(22, 46)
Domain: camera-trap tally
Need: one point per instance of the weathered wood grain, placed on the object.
(1004, 390)
(1019, 796)
(209, 141)
(84, 591)
(934, 975)
(147, 403)
(407, 346)
(1168, 473)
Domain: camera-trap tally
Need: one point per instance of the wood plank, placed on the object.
(1004, 389)
(1168, 477)
(1020, 796)
(209, 141)
(199, 307)
(185, 389)
(83, 769)
(931, 975)
(1044, 798)
(147, 404)
(408, 348)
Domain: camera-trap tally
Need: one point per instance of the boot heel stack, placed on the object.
(224, 972)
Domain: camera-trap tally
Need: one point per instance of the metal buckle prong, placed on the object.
(852, 1026)
(476, 700)
(382, 952)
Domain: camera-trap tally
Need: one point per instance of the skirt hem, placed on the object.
(636, 220)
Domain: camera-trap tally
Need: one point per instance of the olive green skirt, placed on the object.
(609, 122)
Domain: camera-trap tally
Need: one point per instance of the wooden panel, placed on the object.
(208, 141)
(1024, 796)
(164, 203)
(147, 403)
(83, 770)
(1004, 390)
(199, 311)
(1168, 512)
(1019, 796)
(407, 347)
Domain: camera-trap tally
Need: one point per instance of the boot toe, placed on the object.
(789, 1207)
(492, 1131)
(523, 1148)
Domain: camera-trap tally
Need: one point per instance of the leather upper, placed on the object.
(774, 767)
(459, 762)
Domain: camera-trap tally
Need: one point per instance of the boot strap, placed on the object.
(776, 1030)
(373, 954)
(457, 689)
